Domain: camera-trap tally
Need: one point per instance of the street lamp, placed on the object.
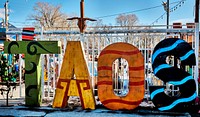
(166, 8)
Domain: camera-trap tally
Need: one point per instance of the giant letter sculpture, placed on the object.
(32, 51)
(173, 75)
(136, 76)
(74, 78)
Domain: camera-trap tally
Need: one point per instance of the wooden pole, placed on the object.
(81, 19)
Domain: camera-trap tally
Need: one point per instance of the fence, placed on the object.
(95, 40)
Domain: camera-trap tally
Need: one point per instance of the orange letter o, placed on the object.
(136, 76)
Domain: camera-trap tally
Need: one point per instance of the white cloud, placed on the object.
(2, 12)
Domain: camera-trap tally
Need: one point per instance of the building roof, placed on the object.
(9, 25)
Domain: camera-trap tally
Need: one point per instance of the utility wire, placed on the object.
(139, 10)
(129, 12)
(171, 10)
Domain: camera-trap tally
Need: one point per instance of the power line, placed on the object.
(20, 22)
(129, 12)
(139, 10)
(180, 3)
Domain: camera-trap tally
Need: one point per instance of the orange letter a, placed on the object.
(74, 64)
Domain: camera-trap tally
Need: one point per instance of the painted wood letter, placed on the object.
(74, 78)
(32, 51)
(136, 76)
(184, 92)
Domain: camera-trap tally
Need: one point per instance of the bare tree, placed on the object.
(49, 16)
(127, 20)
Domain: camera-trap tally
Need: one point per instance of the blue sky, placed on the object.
(20, 9)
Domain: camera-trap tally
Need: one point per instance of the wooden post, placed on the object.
(81, 19)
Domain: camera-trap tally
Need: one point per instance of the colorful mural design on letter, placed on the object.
(136, 76)
(173, 75)
(74, 78)
(32, 51)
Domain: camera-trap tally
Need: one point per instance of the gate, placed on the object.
(95, 40)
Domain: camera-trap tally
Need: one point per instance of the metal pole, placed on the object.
(197, 43)
(54, 74)
(20, 71)
(167, 14)
(93, 59)
(48, 72)
(197, 11)
(6, 14)
(43, 67)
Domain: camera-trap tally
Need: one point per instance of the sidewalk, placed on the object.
(78, 112)
(14, 98)
(16, 108)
